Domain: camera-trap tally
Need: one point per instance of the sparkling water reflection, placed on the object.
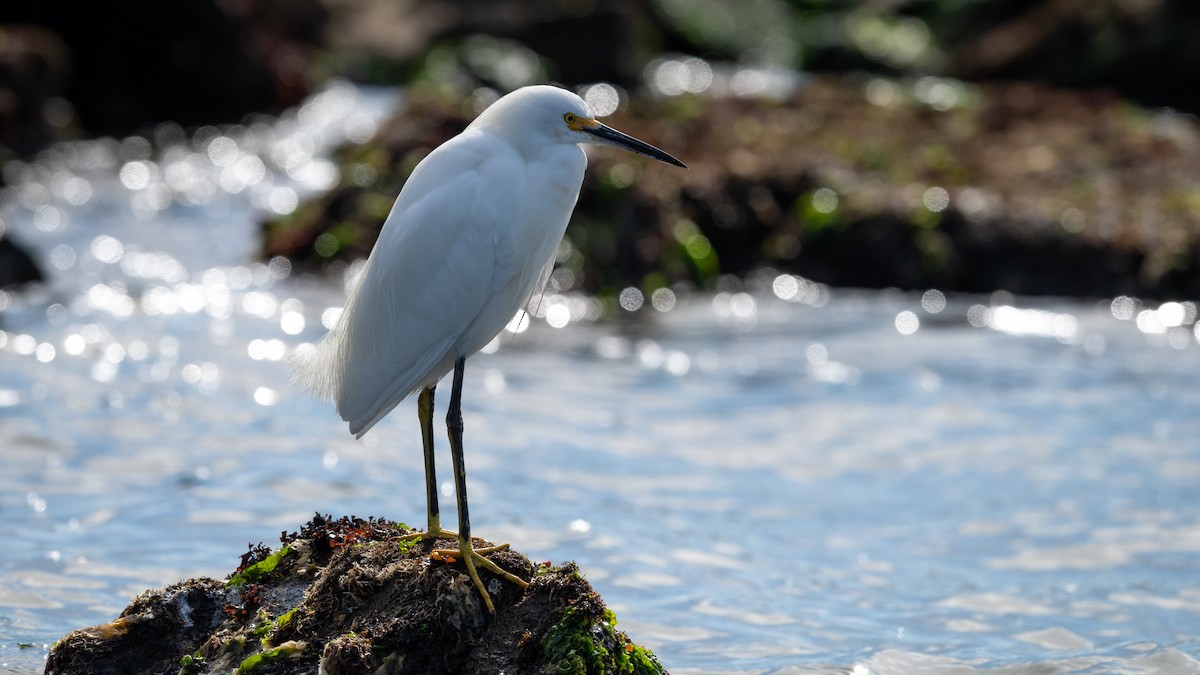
(777, 477)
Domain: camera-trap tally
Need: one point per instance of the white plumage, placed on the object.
(459, 254)
(471, 237)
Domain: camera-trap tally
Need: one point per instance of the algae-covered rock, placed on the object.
(350, 596)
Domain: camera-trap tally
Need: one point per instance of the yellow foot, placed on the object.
(430, 534)
(472, 557)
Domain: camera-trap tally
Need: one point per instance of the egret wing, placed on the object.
(431, 274)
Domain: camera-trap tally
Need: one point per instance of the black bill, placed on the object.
(610, 136)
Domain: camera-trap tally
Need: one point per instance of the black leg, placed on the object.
(425, 413)
(454, 425)
(470, 556)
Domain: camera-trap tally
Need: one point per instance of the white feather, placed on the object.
(464, 247)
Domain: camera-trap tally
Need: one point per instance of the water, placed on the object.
(776, 478)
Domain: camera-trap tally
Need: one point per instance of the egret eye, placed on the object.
(570, 119)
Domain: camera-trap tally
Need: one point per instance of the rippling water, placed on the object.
(775, 478)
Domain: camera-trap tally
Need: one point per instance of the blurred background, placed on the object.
(1038, 147)
(900, 374)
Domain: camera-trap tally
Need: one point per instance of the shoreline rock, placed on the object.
(348, 596)
(854, 181)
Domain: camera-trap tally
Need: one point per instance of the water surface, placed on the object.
(778, 477)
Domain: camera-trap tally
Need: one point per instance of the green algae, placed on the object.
(283, 651)
(191, 663)
(580, 646)
(258, 570)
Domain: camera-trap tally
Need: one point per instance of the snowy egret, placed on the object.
(471, 237)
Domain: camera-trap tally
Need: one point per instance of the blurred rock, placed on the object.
(1144, 49)
(128, 65)
(35, 66)
(852, 181)
(16, 266)
(583, 42)
(70, 67)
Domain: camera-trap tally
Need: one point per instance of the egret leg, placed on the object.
(433, 529)
(470, 556)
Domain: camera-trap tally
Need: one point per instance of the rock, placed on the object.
(852, 182)
(349, 596)
(133, 64)
(616, 37)
(77, 67)
(16, 266)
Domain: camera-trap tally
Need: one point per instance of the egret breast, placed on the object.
(525, 250)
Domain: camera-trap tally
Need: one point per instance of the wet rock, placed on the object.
(17, 267)
(349, 596)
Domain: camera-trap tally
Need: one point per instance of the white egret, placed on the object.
(471, 237)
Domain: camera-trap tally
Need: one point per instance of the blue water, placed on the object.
(776, 477)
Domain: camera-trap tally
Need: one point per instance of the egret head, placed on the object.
(545, 114)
